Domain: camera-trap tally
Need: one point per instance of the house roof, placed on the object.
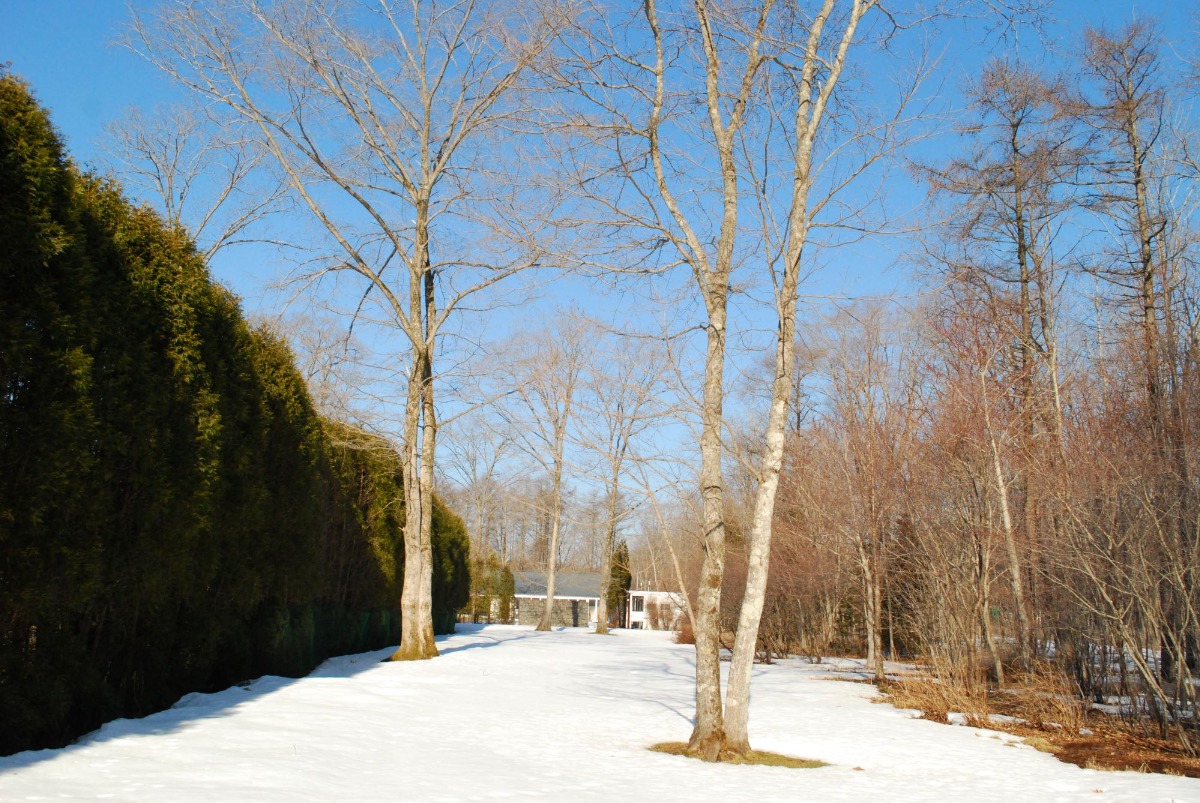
(567, 585)
(649, 592)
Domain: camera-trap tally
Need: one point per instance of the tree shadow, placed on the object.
(667, 686)
(198, 706)
(658, 687)
(479, 639)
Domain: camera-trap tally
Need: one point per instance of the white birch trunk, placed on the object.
(809, 112)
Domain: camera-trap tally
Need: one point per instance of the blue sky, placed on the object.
(67, 50)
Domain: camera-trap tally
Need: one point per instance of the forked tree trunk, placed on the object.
(416, 635)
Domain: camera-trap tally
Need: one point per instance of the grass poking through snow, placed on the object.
(759, 758)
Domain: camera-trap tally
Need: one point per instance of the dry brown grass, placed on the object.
(758, 758)
(935, 700)
(1046, 698)
(1054, 721)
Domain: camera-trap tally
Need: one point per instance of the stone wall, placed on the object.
(567, 612)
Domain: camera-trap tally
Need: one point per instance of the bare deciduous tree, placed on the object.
(382, 119)
(998, 254)
(197, 172)
(475, 465)
(697, 109)
(624, 398)
(546, 370)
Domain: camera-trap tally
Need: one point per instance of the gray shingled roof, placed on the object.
(567, 585)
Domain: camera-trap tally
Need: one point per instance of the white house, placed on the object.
(655, 610)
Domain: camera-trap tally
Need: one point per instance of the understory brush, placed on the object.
(1042, 706)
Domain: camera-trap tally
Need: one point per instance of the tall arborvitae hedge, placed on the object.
(174, 515)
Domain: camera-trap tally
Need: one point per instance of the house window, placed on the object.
(637, 603)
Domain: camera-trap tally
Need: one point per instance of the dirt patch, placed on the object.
(1120, 750)
(759, 758)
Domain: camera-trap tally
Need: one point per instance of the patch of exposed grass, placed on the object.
(758, 758)
(1040, 743)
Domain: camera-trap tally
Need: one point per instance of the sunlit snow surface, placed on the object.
(510, 714)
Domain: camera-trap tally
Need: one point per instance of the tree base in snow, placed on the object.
(413, 653)
(755, 757)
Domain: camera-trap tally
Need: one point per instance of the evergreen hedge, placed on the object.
(174, 514)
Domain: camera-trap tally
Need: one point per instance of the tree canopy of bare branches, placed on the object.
(383, 119)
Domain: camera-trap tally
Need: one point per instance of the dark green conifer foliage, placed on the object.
(174, 514)
(451, 567)
(491, 581)
(47, 424)
(618, 586)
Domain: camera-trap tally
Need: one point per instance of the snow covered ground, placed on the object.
(510, 714)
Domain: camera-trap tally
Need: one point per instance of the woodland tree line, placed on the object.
(1002, 478)
(175, 516)
(998, 477)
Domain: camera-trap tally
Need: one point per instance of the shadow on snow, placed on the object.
(197, 706)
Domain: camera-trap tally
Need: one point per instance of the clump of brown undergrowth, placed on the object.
(1049, 717)
(760, 758)
(936, 700)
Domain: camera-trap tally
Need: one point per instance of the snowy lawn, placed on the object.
(510, 714)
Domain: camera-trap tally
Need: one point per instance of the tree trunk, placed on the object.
(877, 606)
(428, 449)
(1014, 564)
(547, 619)
(416, 634)
(985, 619)
(420, 436)
(737, 697)
(808, 113)
(708, 735)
